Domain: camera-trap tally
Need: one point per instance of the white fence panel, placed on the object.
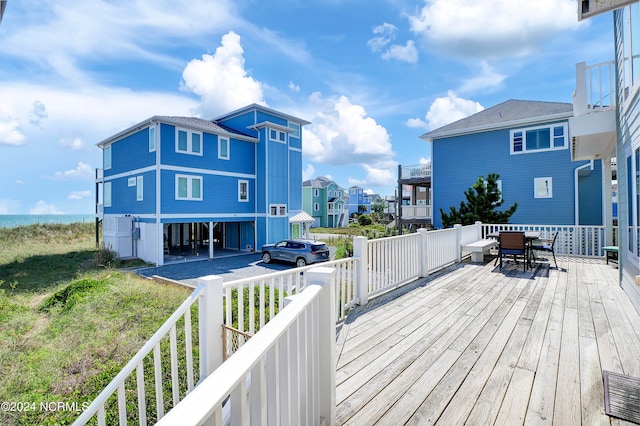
(442, 249)
(392, 261)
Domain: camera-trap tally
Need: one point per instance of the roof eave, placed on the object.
(430, 136)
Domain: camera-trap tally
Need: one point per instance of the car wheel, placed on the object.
(301, 262)
(266, 257)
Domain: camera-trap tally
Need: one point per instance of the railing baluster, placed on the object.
(157, 369)
(101, 416)
(188, 348)
(174, 365)
(122, 404)
(142, 404)
(252, 314)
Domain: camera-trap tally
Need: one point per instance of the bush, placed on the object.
(105, 257)
(364, 220)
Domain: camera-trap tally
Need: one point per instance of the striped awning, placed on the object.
(302, 217)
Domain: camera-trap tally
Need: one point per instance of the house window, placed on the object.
(152, 138)
(278, 210)
(537, 139)
(295, 129)
(188, 142)
(188, 187)
(243, 190)
(316, 207)
(316, 193)
(106, 196)
(139, 188)
(542, 187)
(223, 148)
(107, 157)
(277, 136)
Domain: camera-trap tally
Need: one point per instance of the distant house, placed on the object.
(528, 144)
(176, 187)
(325, 201)
(414, 183)
(357, 197)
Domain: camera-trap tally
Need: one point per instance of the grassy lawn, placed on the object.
(67, 326)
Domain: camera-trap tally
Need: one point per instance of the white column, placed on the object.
(362, 275)
(210, 324)
(607, 202)
(210, 240)
(422, 252)
(458, 229)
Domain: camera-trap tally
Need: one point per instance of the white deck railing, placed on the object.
(595, 87)
(423, 210)
(273, 368)
(417, 171)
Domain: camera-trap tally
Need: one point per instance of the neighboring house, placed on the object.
(174, 187)
(324, 200)
(357, 197)
(605, 126)
(414, 183)
(527, 143)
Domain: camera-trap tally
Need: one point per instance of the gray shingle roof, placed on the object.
(502, 115)
(204, 124)
(319, 182)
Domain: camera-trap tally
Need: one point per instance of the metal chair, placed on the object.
(546, 245)
(513, 243)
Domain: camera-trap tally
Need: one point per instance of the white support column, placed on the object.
(210, 325)
(458, 229)
(362, 276)
(478, 230)
(324, 277)
(210, 240)
(607, 202)
(422, 252)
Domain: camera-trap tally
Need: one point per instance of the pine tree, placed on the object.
(483, 198)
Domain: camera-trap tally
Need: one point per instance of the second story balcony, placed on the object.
(420, 173)
(593, 126)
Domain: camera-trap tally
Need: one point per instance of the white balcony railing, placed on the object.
(285, 372)
(417, 171)
(417, 211)
(595, 87)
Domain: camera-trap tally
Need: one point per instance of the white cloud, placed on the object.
(417, 123)
(38, 113)
(83, 171)
(78, 195)
(488, 80)
(308, 172)
(10, 133)
(294, 87)
(407, 53)
(76, 144)
(451, 108)
(43, 208)
(493, 28)
(386, 33)
(221, 80)
(424, 160)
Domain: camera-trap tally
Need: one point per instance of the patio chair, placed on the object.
(513, 243)
(546, 245)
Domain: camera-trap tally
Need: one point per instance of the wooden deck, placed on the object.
(478, 346)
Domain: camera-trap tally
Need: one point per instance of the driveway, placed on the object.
(229, 268)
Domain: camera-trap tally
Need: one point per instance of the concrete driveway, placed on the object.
(229, 268)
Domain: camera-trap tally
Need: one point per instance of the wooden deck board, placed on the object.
(480, 346)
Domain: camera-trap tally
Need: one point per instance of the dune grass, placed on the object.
(67, 326)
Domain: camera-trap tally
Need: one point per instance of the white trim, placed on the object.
(153, 140)
(190, 179)
(130, 173)
(548, 185)
(190, 133)
(140, 188)
(552, 147)
(296, 131)
(246, 192)
(576, 214)
(206, 216)
(295, 149)
(220, 156)
(105, 150)
(279, 211)
(208, 172)
(104, 193)
(279, 134)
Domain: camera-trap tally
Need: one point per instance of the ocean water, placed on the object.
(13, 220)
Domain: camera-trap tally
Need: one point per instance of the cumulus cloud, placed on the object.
(43, 208)
(492, 28)
(78, 195)
(308, 172)
(221, 80)
(450, 108)
(83, 171)
(38, 113)
(488, 80)
(445, 110)
(10, 133)
(385, 34)
(76, 144)
(294, 87)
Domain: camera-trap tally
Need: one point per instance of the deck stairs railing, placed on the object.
(280, 374)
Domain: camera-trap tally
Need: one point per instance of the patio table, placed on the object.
(529, 237)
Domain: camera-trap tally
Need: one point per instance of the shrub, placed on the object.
(105, 257)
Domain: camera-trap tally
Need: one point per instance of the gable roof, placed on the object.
(319, 182)
(263, 108)
(510, 113)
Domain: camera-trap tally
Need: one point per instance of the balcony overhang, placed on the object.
(593, 136)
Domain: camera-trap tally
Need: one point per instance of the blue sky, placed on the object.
(370, 76)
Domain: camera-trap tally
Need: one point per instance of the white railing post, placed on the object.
(210, 325)
(458, 229)
(362, 276)
(422, 252)
(580, 95)
(324, 276)
(478, 230)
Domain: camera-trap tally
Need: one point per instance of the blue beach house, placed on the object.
(528, 144)
(356, 198)
(174, 188)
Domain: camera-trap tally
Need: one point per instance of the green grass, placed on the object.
(68, 326)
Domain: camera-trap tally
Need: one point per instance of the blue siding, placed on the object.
(241, 122)
(261, 174)
(278, 228)
(124, 197)
(263, 116)
(295, 180)
(590, 196)
(278, 163)
(295, 142)
(131, 153)
(458, 161)
(219, 195)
